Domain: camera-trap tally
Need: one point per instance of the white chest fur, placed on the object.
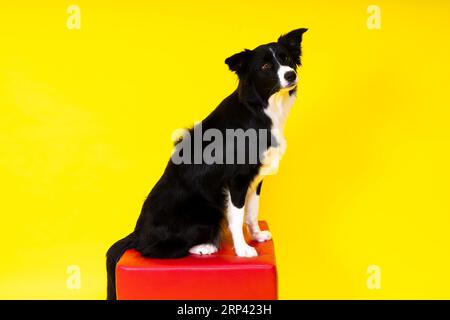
(278, 109)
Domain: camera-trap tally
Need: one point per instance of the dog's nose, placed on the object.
(290, 76)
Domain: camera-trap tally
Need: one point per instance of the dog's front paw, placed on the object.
(246, 251)
(262, 236)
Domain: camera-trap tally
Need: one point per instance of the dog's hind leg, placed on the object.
(203, 249)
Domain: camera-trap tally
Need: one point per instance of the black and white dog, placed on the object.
(185, 211)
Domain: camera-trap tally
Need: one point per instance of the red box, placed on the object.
(220, 276)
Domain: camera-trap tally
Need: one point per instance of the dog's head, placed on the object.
(271, 67)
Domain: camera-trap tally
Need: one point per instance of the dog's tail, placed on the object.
(174, 247)
(112, 257)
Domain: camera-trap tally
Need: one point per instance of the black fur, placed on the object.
(187, 205)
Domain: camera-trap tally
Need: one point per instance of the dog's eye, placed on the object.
(266, 66)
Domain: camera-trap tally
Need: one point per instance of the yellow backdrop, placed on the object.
(360, 207)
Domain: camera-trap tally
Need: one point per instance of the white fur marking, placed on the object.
(282, 69)
(262, 236)
(280, 104)
(281, 72)
(203, 249)
(235, 218)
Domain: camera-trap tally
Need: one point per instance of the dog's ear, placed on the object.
(239, 61)
(293, 42)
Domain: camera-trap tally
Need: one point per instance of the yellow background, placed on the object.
(365, 180)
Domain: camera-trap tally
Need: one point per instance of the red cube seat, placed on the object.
(220, 276)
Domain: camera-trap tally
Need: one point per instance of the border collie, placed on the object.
(186, 210)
